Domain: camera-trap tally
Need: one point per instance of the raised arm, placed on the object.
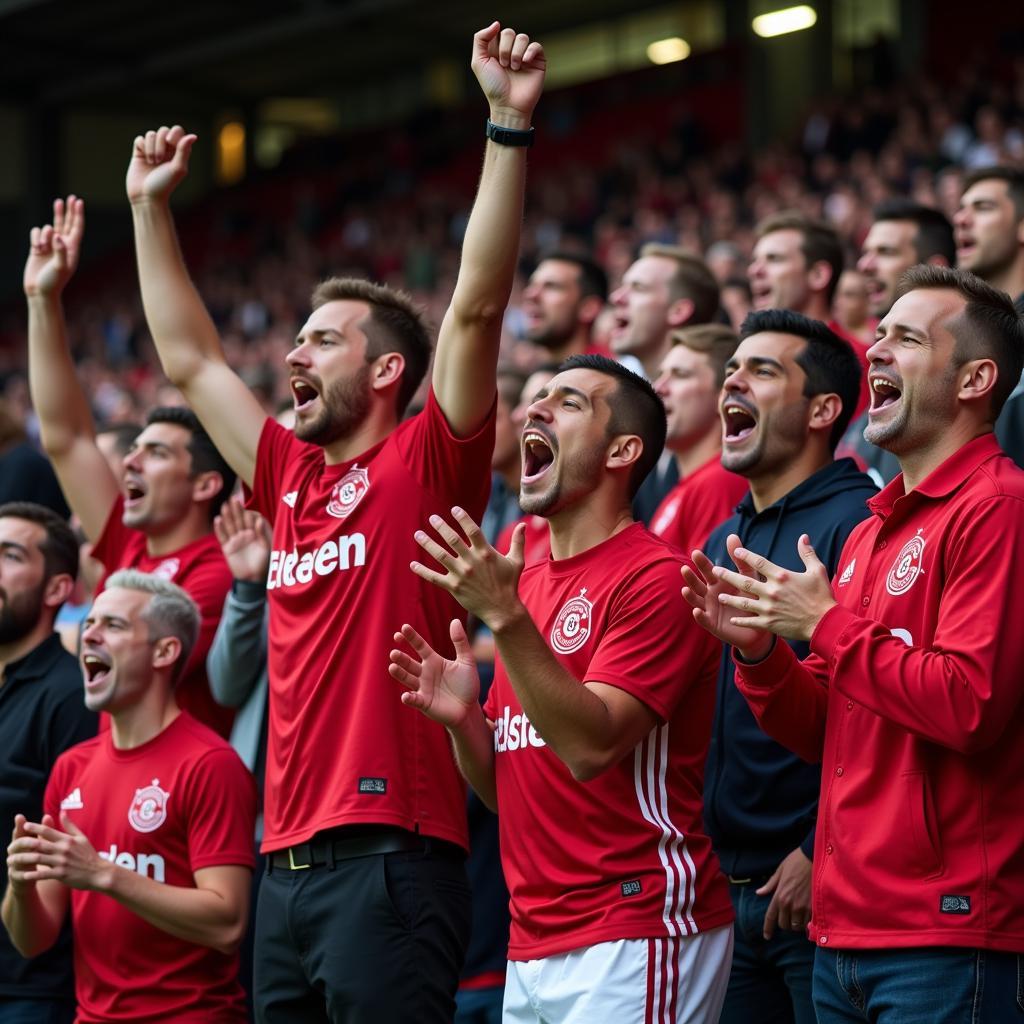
(186, 339)
(510, 70)
(65, 420)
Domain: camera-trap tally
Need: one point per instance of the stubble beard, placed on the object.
(344, 406)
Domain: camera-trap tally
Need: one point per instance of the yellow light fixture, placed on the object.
(789, 19)
(668, 51)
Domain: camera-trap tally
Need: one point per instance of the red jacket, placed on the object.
(911, 699)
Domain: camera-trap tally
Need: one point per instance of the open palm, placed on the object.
(443, 689)
(702, 592)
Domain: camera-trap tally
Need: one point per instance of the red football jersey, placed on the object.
(861, 351)
(912, 700)
(623, 856)
(181, 802)
(697, 504)
(536, 543)
(198, 568)
(342, 748)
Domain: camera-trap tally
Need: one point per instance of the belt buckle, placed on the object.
(733, 880)
(292, 864)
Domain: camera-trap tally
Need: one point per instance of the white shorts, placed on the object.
(631, 981)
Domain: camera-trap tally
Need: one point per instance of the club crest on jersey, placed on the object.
(572, 624)
(348, 492)
(149, 808)
(167, 569)
(907, 566)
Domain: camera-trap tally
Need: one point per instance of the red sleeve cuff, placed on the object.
(766, 673)
(830, 629)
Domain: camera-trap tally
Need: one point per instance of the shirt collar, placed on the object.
(944, 479)
(36, 664)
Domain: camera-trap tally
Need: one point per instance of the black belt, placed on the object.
(326, 849)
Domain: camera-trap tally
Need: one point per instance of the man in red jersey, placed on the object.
(147, 831)
(364, 912)
(592, 740)
(158, 517)
(688, 384)
(911, 695)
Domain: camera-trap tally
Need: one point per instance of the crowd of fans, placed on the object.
(716, 278)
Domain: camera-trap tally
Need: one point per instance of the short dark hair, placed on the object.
(395, 324)
(60, 548)
(820, 241)
(635, 408)
(205, 456)
(989, 327)
(829, 362)
(692, 279)
(593, 279)
(124, 435)
(934, 235)
(716, 341)
(1014, 178)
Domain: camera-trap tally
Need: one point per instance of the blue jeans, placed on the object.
(928, 985)
(770, 982)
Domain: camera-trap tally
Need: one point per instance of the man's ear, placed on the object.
(824, 411)
(589, 309)
(623, 451)
(679, 312)
(206, 486)
(57, 590)
(819, 275)
(166, 652)
(977, 379)
(386, 370)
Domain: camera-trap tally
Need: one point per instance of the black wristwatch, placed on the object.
(509, 136)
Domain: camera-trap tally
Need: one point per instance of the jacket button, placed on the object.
(849, 705)
(839, 770)
(830, 848)
(823, 940)
(865, 601)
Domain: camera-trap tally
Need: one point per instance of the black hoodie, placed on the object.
(761, 800)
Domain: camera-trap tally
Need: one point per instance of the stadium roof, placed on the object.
(121, 53)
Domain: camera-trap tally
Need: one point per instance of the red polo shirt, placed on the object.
(911, 699)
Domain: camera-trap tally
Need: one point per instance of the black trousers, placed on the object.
(372, 940)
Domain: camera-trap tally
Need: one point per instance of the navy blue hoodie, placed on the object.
(761, 800)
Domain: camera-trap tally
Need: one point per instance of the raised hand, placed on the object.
(54, 249)
(703, 592)
(444, 690)
(244, 537)
(481, 579)
(159, 164)
(510, 69)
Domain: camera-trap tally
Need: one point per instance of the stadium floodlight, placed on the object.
(789, 19)
(668, 51)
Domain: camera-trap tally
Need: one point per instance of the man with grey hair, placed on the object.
(146, 835)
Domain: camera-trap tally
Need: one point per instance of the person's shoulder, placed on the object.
(998, 477)
(80, 754)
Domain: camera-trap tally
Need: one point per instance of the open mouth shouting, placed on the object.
(965, 246)
(885, 393)
(303, 393)
(96, 669)
(761, 295)
(134, 490)
(538, 455)
(739, 421)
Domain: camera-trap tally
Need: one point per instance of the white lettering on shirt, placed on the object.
(512, 732)
(149, 865)
(288, 569)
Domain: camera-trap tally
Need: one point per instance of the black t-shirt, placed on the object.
(42, 713)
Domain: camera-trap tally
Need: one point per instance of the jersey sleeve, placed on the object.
(277, 448)
(222, 812)
(651, 647)
(453, 469)
(207, 585)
